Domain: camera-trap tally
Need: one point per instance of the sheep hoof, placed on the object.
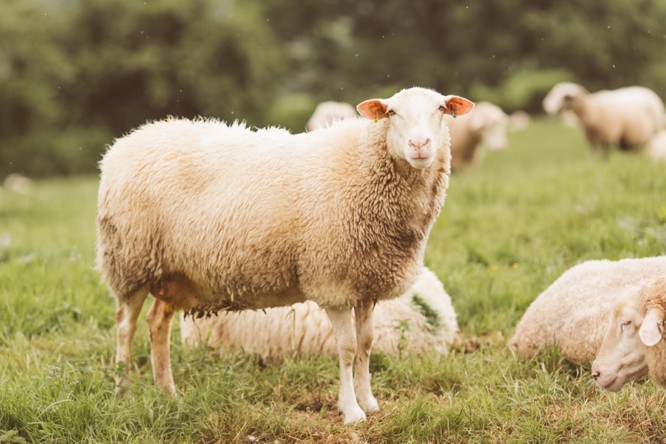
(353, 415)
(369, 405)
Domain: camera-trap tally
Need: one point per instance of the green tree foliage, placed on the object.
(74, 74)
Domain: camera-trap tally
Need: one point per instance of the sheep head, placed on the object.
(633, 337)
(492, 123)
(415, 129)
(559, 98)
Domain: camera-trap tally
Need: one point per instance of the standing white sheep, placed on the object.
(421, 320)
(573, 312)
(209, 217)
(487, 123)
(625, 117)
(634, 342)
(328, 112)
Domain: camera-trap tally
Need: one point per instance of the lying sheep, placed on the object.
(207, 217)
(487, 123)
(519, 121)
(656, 149)
(633, 345)
(328, 112)
(625, 117)
(573, 312)
(17, 183)
(421, 320)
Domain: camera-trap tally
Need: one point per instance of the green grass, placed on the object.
(508, 229)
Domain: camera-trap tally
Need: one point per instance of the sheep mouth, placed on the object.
(614, 385)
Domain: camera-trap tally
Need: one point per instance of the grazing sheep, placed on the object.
(207, 217)
(421, 320)
(656, 149)
(328, 112)
(487, 123)
(624, 117)
(573, 312)
(633, 344)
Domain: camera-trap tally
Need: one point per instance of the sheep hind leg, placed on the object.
(159, 319)
(364, 338)
(341, 320)
(127, 312)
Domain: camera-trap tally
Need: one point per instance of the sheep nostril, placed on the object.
(595, 375)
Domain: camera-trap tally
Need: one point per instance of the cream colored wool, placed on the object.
(304, 329)
(625, 117)
(574, 311)
(209, 217)
(633, 345)
(656, 149)
(487, 123)
(328, 112)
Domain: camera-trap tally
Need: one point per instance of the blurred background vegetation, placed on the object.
(75, 74)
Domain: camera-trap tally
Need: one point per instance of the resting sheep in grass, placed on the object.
(421, 320)
(328, 112)
(207, 217)
(573, 312)
(633, 344)
(486, 123)
(624, 117)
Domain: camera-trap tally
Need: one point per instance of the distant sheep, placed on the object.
(656, 149)
(486, 123)
(209, 217)
(573, 312)
(421, 320)
(17, 183)
(519, 121)
(633, 345)
(328, 112)
(626, 118)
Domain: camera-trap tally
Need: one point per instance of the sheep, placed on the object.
(625, 117)
(328, 112)
(519, 121)
(17, 183)
(208, 216)
(572, 313)
(633, 345)
(487, 123)
(421, 320)
(656, 149)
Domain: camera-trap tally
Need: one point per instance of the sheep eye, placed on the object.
(390, 113)
(443, 108)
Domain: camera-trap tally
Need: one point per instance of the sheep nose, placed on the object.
(419, 143)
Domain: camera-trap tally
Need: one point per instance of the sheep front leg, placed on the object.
(159, 319)
(127, 312)
(341, 320)
(364, 338)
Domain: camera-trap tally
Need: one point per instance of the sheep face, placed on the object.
(622, 356)
(415, 130)
(558, 98)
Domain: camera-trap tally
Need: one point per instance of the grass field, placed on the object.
(508, 229)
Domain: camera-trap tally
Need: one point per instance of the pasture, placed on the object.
(509, 227)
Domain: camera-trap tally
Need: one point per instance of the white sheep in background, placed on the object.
(519, 121)
(328, 112)
(209, 217)
(656, 149)
(486, 123)
(573, 312)
(17, 183)
(420, 321)
(633, 344)
(625, 117)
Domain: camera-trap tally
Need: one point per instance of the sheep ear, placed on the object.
(651, 329)
(373, 109)
(457, 106)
